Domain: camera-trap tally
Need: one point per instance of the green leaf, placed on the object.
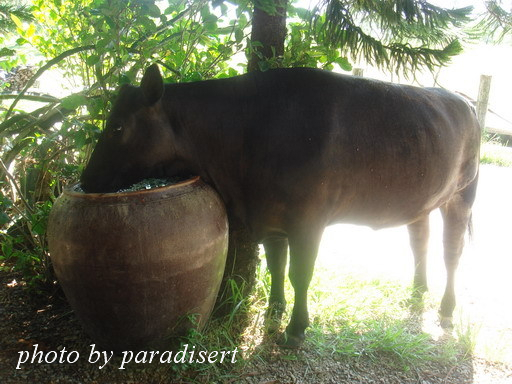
(91, 128)
(102, 44)
(4, 219)
(7, 248)
(38, 226)
(124, 79)
(264, 65)
(93, 59)
(111, 23)
(4, 52)
(74, 101)
(31, 30)
(242, 19)
(94, 106)
(303, 13)
(152, 10)
(80, 139)
(239, 35)
(5, 202)
(17, 21)
(205, 12)
(344, 63)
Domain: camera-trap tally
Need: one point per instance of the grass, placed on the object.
(373, 319)
(350, 319)
(493, 152)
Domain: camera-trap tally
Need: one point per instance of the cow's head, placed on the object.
(137, 141)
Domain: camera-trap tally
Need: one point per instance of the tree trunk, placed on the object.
(240, 272)
(269, 30)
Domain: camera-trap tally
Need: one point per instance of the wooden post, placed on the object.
(358, 72)
(482, 103)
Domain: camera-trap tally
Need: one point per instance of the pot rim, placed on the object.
(70, 190)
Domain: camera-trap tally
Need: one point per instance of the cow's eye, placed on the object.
(116, 130)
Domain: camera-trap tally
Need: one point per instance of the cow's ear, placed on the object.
(152, 84)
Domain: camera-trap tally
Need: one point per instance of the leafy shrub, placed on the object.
(96, 45)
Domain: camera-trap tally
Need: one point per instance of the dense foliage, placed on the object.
(89, 47)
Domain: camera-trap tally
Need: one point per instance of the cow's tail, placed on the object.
(469, 195)
(470, 227)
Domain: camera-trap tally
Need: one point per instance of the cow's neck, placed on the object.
(208, 145)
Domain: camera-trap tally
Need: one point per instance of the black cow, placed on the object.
(292, 151)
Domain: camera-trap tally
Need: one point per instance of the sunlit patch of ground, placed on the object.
(484, 314)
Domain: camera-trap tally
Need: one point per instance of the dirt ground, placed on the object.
(483, 305)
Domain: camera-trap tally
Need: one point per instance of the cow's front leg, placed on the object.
(276, 250)
(303, 252)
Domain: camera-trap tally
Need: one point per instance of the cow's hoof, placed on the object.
(446, 322)
(290, 341)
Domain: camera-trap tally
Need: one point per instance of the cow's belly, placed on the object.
(379, 220)
(351, 198)
(399, 207)
(280, 219)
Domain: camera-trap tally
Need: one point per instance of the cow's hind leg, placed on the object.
(276, 250)
(303, 252)
(456, 216)
(418, 235)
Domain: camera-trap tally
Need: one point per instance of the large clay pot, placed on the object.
(135, 265)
